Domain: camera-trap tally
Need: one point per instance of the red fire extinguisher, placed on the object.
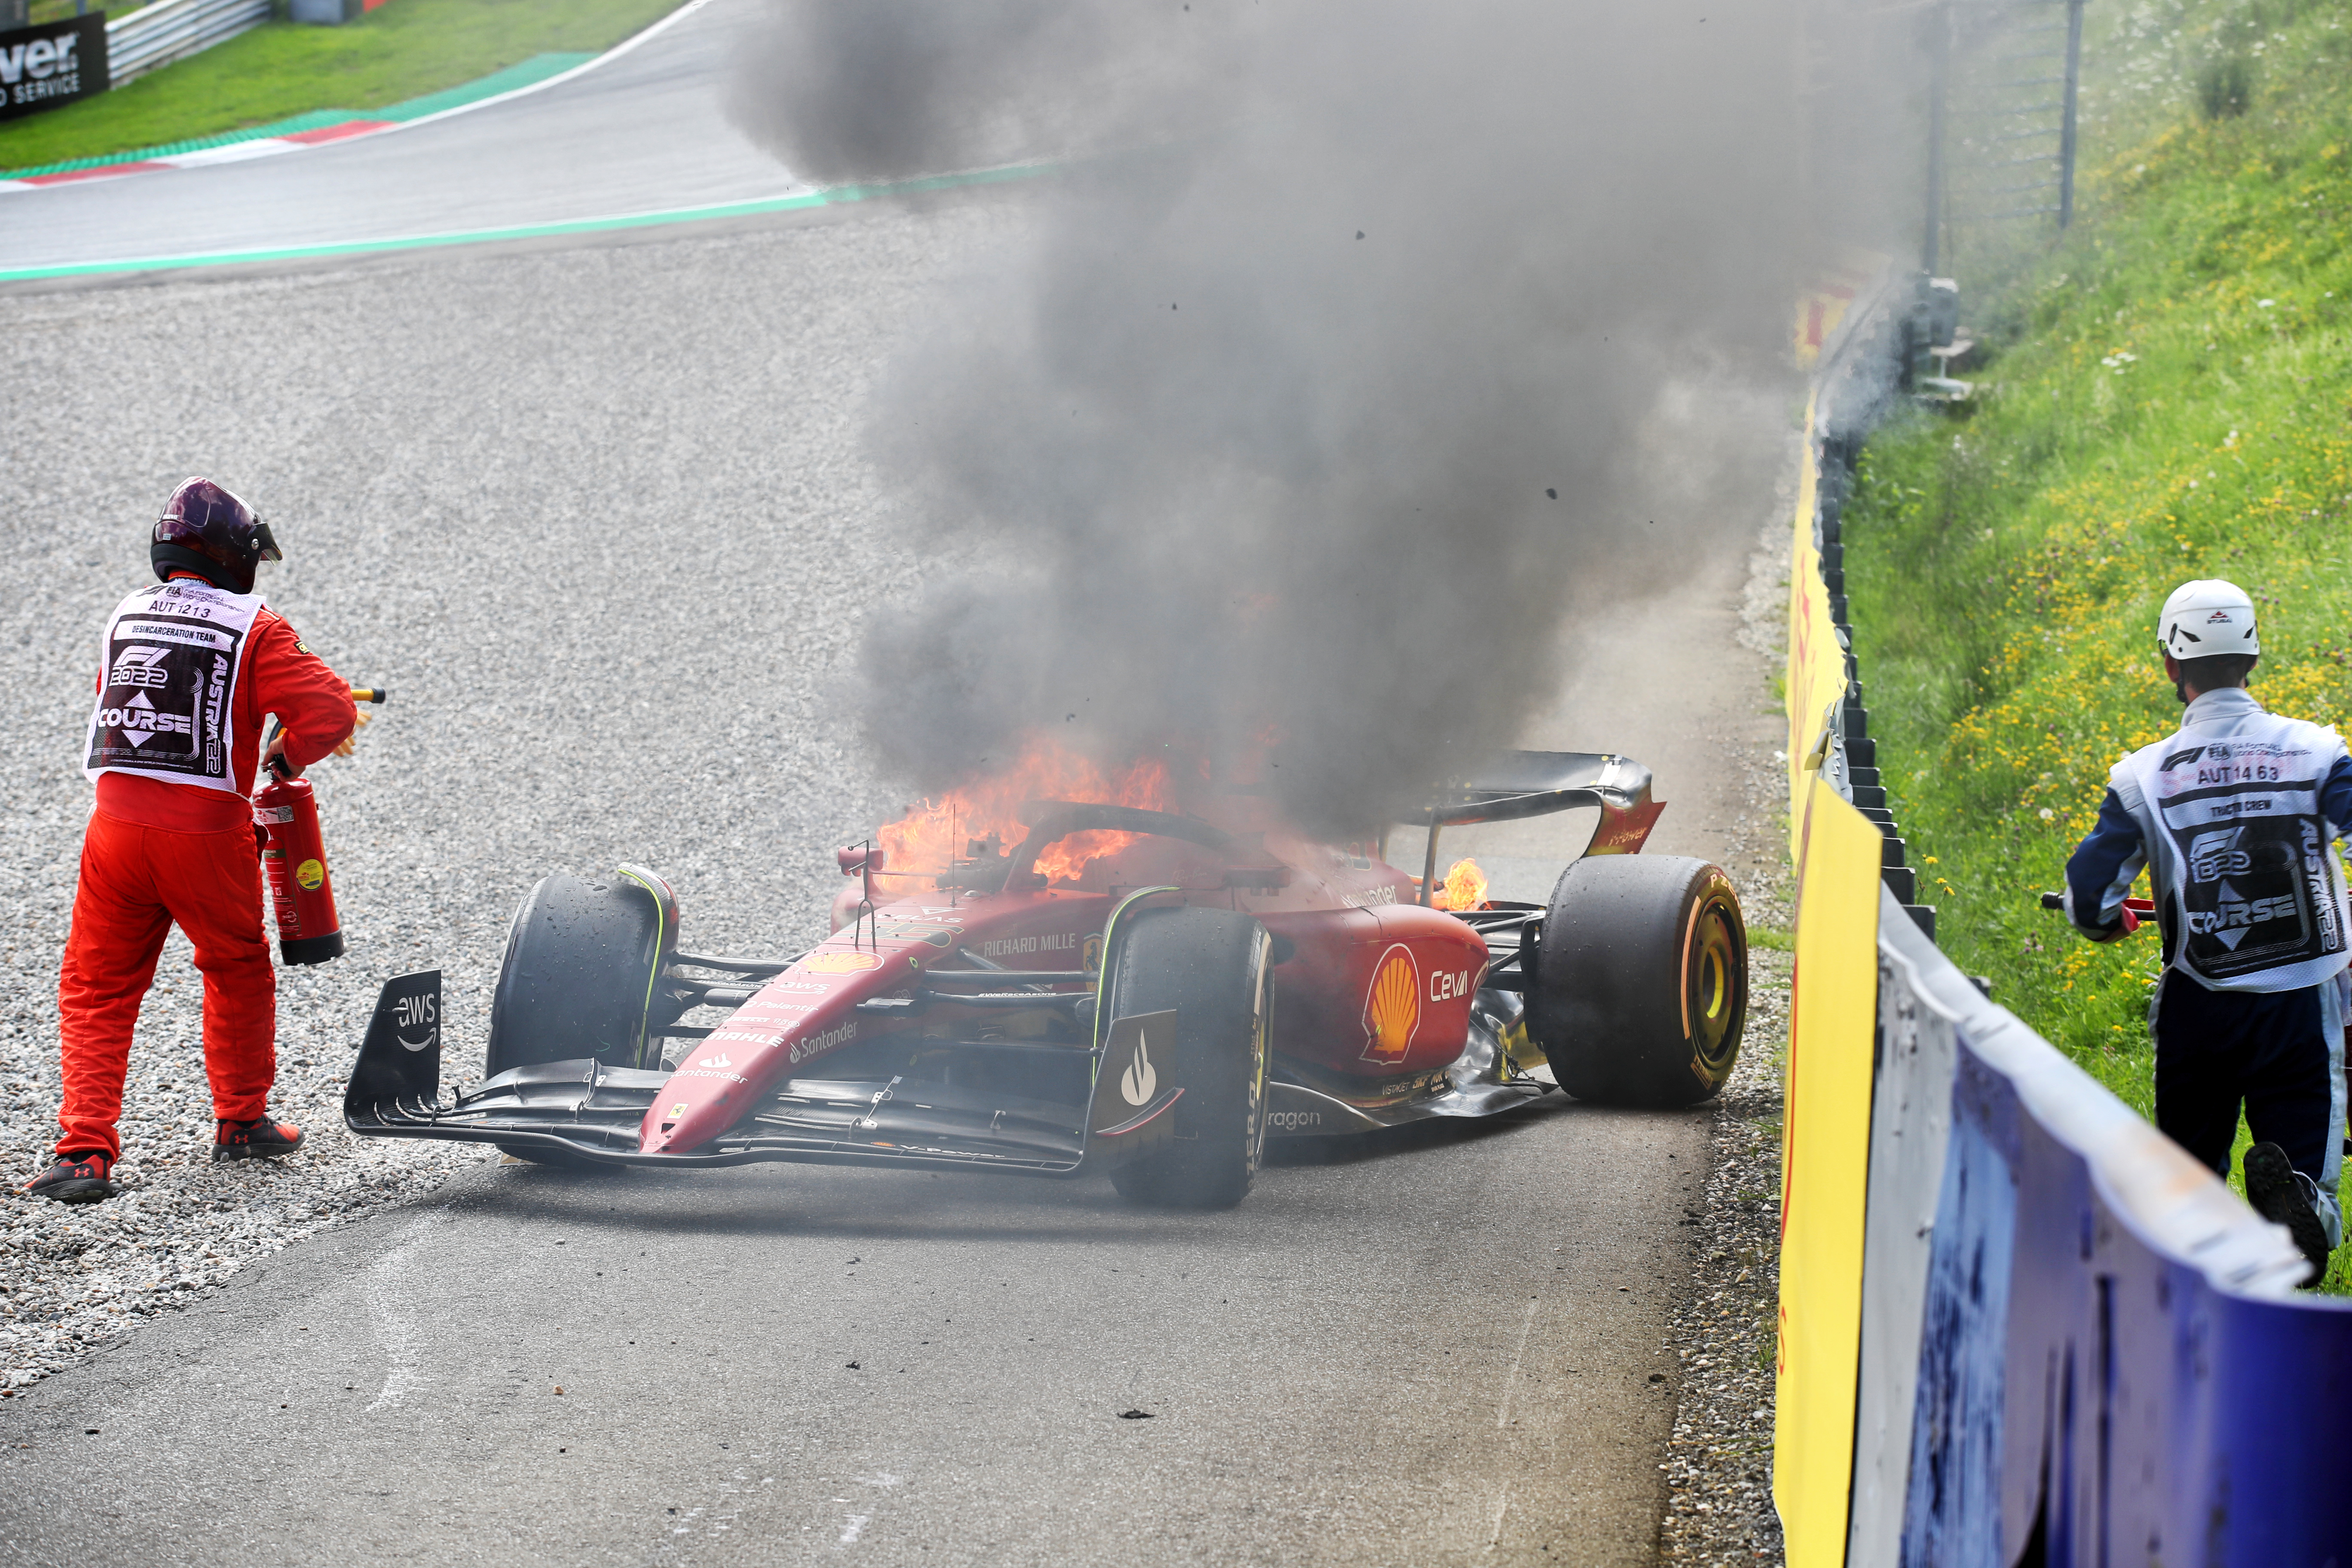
(294, 858)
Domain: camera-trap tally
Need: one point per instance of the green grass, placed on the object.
(401, 50)
(2167, 395)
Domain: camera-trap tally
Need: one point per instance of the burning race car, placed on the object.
(1141, 990)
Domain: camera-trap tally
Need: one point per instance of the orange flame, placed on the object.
(936, 833)
(1464, 888)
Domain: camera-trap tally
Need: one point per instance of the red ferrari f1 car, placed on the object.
(1159, 1009)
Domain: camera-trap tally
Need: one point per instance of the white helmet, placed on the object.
(2207, 618)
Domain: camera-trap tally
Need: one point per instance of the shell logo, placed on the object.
(840, 963)
(1393, 1006)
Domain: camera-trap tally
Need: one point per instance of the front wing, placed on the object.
(589, 1111)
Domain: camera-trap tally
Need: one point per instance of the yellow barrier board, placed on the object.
(1822, 307)
(1824, 1173)
(1816, 674)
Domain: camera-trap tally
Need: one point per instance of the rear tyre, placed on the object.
(1214, 969)
(1641, 992)
(578, 981)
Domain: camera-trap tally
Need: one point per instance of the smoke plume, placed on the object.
(1350, 352)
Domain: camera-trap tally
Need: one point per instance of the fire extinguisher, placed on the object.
(294, 858)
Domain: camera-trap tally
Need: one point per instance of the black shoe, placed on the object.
(259, 1138)
(75, 1179)
(2279, 1195)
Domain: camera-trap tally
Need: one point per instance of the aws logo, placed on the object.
(418, 1011)
(1393, 1006)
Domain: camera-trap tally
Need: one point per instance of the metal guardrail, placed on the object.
(2076, 1345)
(172, 30)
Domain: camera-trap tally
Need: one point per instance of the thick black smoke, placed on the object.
(1355, 349)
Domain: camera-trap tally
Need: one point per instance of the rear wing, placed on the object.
(1516, 785)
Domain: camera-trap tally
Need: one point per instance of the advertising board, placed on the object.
(52, 65)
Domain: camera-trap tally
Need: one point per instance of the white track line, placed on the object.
(1511, 1380)
(583, 68)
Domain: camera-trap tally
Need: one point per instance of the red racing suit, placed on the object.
(187, 672)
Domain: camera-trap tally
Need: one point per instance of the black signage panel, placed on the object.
(55, 63)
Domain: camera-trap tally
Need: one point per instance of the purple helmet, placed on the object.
(207, 530)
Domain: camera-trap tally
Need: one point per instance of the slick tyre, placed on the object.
(579, 975)
(1640, 989)
(1214, 969)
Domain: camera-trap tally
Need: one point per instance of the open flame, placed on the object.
(935, 833)
(1464, 888)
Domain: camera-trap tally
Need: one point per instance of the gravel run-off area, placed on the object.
(531, 501)
(564, 699)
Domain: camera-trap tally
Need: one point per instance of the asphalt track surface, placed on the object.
(598, 513)
(640, 132)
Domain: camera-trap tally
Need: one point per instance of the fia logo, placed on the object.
(1136, 1084)
(418, 1012)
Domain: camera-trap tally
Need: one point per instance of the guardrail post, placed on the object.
(2066, 124)
(1939, 71)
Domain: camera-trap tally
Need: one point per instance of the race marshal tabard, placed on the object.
(51, 65)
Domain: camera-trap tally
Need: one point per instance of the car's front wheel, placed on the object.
(1214, 969)
(578, 980)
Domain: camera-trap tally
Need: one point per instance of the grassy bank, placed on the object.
(2167, 395)
(401, 50)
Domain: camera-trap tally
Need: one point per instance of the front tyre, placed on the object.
(578, 980)
(1214, 969)
(1641, 994)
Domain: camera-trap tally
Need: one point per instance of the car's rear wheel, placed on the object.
(1641, 992)
(1214, 969)
(578, 979)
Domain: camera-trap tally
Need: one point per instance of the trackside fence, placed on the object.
(172, 30)
(2018, 1326)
